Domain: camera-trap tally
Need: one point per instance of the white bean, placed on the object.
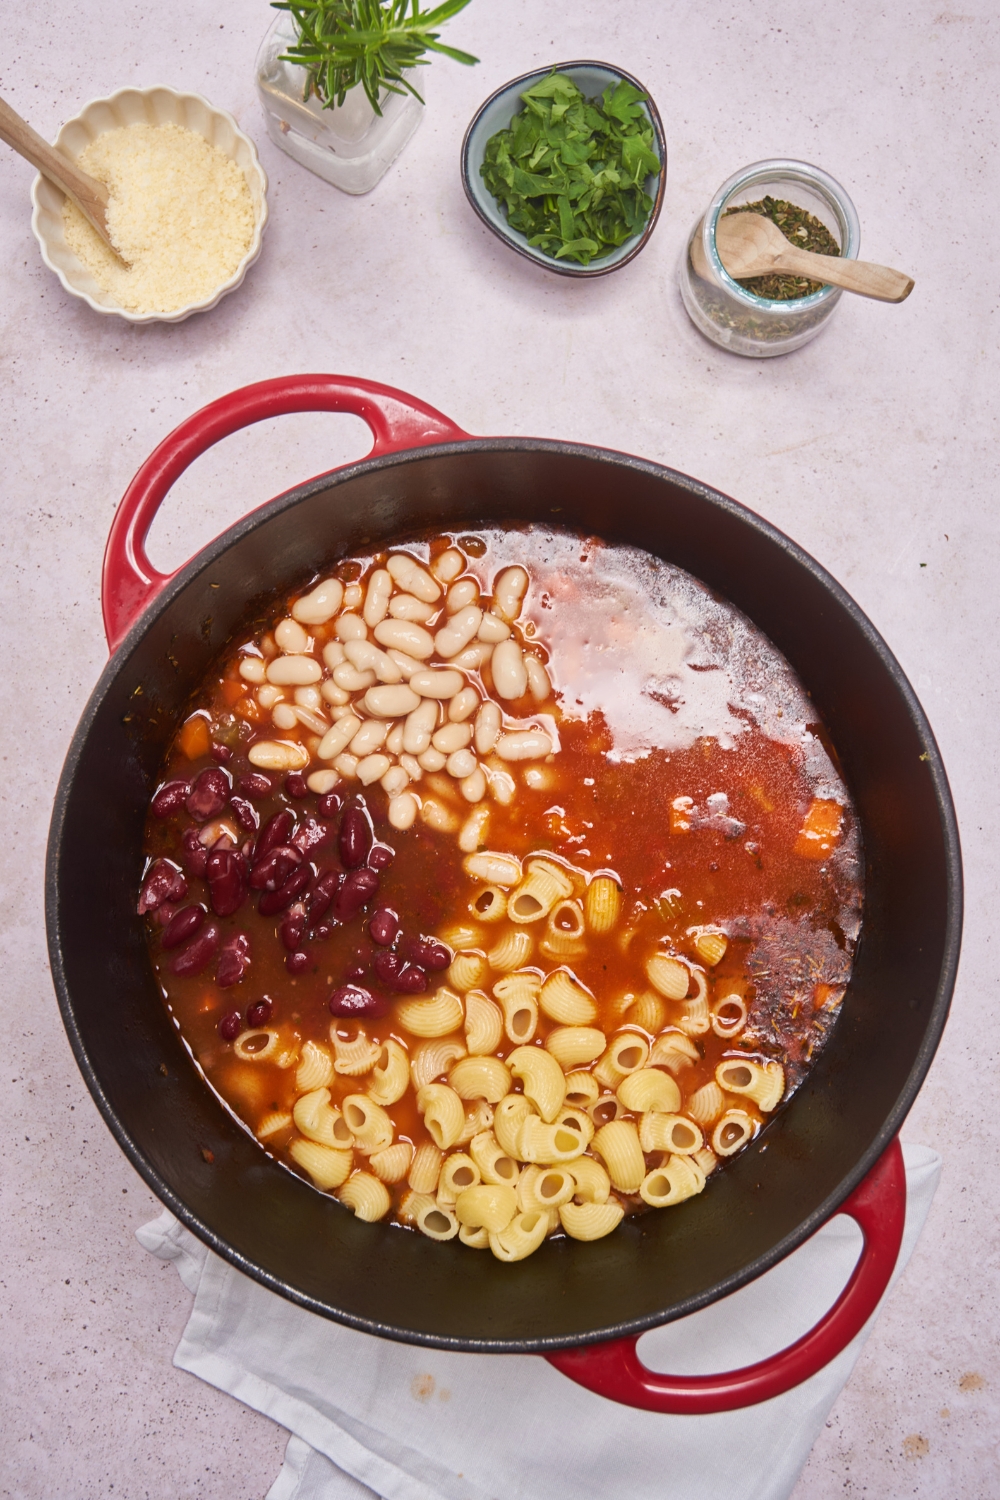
(441, 684)
(406, 636)
(341, 711)
(252, 669)
(538, 679)
(367, 657)
(347, 765)
(322, 782)
(406, 664)
(268, 695)
(405, 607)
(313, 720)
(321, 604)
(394, 740)
(369, 738)
(461, 764)
(473, 834)
(501, 787)
(395, 781)
(473, 657)
(308, 697)
(291, 637)
(350, 679)
(452, 737)
(390, 702)
(339, 737)
(509, 675)
(436, 815)
(461, 594)
(463, 705)
(331, 693)
(403, 810)
(493, 629)
(412, 767)
(378, 596)
(539, 778)
(524, 744)
(432, 760)
(333, 654)
(419, 727)
(284, 716)
(488, 722)
(509, 591)
(411, 577)
(447, 565)
(473, 787)
(353, 595)
(372, 768)
(288, 671)
(352, 628)
(459, 631)
(278, 755)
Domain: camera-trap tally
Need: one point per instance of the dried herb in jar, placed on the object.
(800, 228)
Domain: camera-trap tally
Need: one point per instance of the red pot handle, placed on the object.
(614, 1370)
(397, 421)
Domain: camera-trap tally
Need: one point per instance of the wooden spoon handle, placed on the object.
(89, 195)
(861, 276)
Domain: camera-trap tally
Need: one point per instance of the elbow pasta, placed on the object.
(367, 1196)
(573, 1045)
(764, 1084)
(390, 1075)
(617, 1143)
(564, 999)
(443, 1114)
(511, 951)
(484, 1024)
(603, 904)
(543, 1079)
(480, 1078)
(518, 996)
(433, 1059)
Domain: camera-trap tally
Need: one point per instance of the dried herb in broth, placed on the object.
(801, 229)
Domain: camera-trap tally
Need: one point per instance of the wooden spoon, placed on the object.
(750, 245)
(89, 195)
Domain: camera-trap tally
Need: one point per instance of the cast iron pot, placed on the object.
(583, 1305)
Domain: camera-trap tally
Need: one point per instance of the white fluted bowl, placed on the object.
(153, 106)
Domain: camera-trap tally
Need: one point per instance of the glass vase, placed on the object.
(734, 317)
(348, 145)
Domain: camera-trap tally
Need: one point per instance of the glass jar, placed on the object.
(729, 314)
(349, 144)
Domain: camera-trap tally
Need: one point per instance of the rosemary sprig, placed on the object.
(346, 42)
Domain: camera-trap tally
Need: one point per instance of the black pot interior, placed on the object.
(386, 1280)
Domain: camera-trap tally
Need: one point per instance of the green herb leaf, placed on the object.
(570, 173)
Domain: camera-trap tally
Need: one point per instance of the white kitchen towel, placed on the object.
(370, 1417)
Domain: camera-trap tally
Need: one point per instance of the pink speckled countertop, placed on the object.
(875, 447)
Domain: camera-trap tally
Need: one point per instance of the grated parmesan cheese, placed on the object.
(180, 215)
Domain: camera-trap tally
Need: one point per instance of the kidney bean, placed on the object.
(312, 835)
(228, 875)
(245, 813)
(353, 1000)
(383, 926)
(170, 798)
(297, 963)
(255, 785)
(209, 794)
(199, 952)
(292, 927)
(275, 901)
(221, 753)
(271, 872)
(182, 925)
(163, 914)
(230, 1026)
(330, 804)
(381, 857)
(322, 893)
(274, 832)
(234, 960)
(355, 838)
(426, 952)
(260, 1012)
(163, 882)
(193, 853)
(295, 785)
(357, 890)
(403, 977)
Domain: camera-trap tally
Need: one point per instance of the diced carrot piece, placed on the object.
(820, 833)
(680, 814)
(194, 739)
(249, 709)
(232, 689)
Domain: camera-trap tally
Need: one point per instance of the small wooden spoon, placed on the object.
(750, 245)
(89, 195)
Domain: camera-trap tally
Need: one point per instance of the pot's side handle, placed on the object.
(397, 421)
(614, 1369)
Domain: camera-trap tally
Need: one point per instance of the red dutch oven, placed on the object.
(583, 1306)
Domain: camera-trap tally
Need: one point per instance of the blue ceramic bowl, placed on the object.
(592, 78)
